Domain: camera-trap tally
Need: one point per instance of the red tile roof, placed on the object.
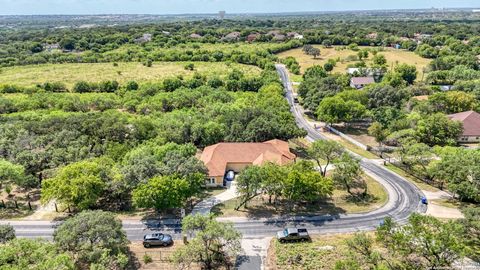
(216, 157)
(470, 120)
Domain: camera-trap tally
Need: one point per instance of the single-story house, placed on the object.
(232, 36)
(471, 126)
(223, 157)
(360, 82)
(195, 36)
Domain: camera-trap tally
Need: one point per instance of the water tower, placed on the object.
(221, 14)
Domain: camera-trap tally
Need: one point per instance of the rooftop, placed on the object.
(470, 120)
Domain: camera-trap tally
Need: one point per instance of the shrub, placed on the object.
(147, 259)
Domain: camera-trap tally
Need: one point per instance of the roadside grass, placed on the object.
(340, 202)
(421, 185)
(357, 150)
(393, 57)
(321, 253)
(69, 74)
(452, 203)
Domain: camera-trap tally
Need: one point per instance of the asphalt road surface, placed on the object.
(404, 199)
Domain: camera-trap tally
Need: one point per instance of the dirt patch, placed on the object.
(160, 256)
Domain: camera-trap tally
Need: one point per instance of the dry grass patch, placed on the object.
(70, 73)
(321, 253)
(393, 57)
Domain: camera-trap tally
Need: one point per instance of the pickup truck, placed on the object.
(293, 235)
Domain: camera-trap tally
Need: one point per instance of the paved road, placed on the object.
(404, 199)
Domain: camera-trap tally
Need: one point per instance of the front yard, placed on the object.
(339, 203)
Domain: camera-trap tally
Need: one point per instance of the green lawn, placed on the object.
(124, 72)
(340, 202)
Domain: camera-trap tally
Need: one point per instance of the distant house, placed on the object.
(51, 47)
(421, 98)
(279, 37)
(273, 33)
(294, 35)
(223, 157)
(195, 36)
(232, 36)
(145, 38)
(471, 126)
(252, 37)
(360, 82)
(372, 35)
(166, 33)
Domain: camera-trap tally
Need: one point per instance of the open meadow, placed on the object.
(341, 55)
(122, 72)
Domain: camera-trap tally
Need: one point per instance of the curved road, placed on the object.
(404, 199)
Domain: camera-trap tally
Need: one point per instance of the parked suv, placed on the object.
(293, 235)
(157, 239)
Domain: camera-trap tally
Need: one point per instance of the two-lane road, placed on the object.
(404, 199)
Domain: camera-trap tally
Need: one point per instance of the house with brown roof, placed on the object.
(360, 82)
(223, 157)
(471, 126)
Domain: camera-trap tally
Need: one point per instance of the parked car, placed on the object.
(230, 176)
(157, 239)
(293, 235)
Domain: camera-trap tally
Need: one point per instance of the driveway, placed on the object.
(204, 207)
(255, 254)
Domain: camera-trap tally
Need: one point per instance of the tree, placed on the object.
(314, 71)
(416, 157)
(328, 66)
(424, 243)
(304, 183)
(452, 102)
(379, 60)
(348, 174)
(10, 173)
(7, 233)
(190, 66)
(407, 72)
(249, 184)
(34, 254)
(386, 95)
(471, 232)
(215, 244)
(96, 238)
(80, 184)
(438, 129)
(325, 151)
(335, 110)
(380, 134)
(272, 183)
(162, 193)
(460, 169)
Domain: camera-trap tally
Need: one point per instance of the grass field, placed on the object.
(393, 57)
(124, 72)
(321, 253)
(339, 203)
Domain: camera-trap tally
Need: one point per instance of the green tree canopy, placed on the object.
(96, 238)
(214, 245)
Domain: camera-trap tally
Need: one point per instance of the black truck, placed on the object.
(293, 235)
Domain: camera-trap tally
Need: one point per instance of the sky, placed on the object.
(34, 7)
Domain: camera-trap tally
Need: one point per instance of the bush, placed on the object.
(131, 85)
(7, 233)
(147, 259)
(82, 87)
(189, 66)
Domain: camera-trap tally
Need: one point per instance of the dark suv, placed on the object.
(157, 239)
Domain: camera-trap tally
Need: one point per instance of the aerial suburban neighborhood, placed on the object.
(301, 135)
